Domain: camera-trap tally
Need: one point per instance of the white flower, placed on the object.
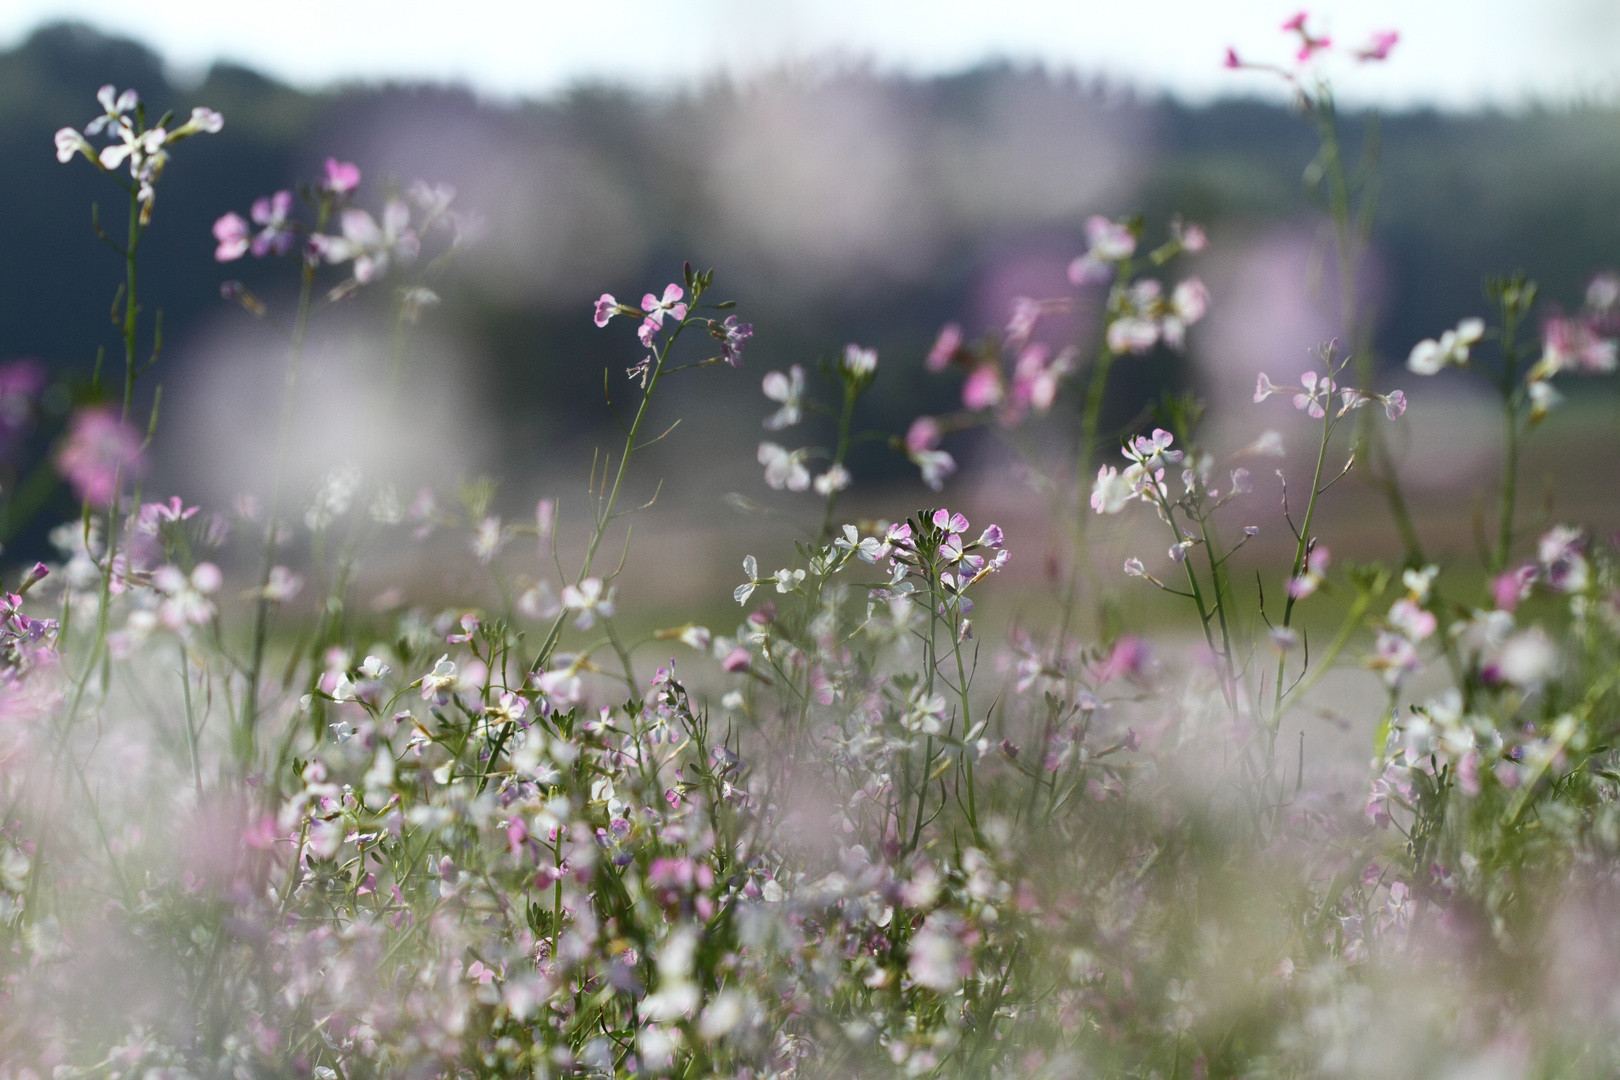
(859, 361)
(436, 684)
(836, 478)
(590, 600)
(935, 466)
(489, 539)
(373, 246)
(783, 468)
(1429, 356)
(788, 580)
(789, 390)
(746, 589)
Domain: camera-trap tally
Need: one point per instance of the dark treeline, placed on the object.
(836, 206)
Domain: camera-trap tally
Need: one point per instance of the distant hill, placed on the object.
(836, 206)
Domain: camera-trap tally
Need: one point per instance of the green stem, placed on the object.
(263, 606)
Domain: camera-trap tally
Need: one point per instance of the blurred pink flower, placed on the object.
(232, 232)
(101, 450)
(342, 177)
(946, 346)
(1379, 47)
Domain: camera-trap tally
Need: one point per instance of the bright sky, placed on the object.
(1453, 53)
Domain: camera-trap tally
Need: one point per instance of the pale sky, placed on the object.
(1453, 53)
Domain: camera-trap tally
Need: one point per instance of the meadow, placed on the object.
(363, 777)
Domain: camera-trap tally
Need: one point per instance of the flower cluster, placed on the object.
(146, 149)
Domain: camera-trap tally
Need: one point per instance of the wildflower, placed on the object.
(1132, 334)
(1603, 292)
(590, 600)
(562, 684)
(185, 600)
(371, 246)
(1573, 345)
(283, 585)
(1430, 356)
(1526, 660)
(1559, 552)
(508, 709)
(488, 540)
(746, 589)
(606, 308)
(656, 309)
(868, 549)
(1035, 379)
(859, 362)
(1316, 564)
(1314, 394)
(783, 468)
(925, 712)
(233, 234)
(1153, 452)
(836, 478)
(982, 388)
(1309, 44)
(342, 177)
(153, 516)
(1269, 444)
(202, 119)
(733, 335)
(1134, 568)
(1113, 490)
(923, 434)
(1107, 243)
(945, 349)
(115, 106)
(100, 451)
(1379, 47)
(70, 142)
(789, 390)
(1264, 388)
(935, 466)
(1189, 302)
(1543, 399)
(1411, 620)
(437, 684)
(271, 212)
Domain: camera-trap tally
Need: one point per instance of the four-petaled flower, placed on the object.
(789, 390)
(784, 468)
(590, 599)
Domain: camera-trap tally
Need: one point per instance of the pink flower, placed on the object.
(733, 335)
(1035, 379)
(656, 309)
(1263, 388)
(271, 212)
(372, 246)
(342, 177)
(1232, 60)
(983, 387)
(935, 466)
(606, 308)
(1510, 588)
(924, 434)
(1379, 47)
(737, 659)
(1128, 657)
(100, 452)
(232, 232)
(1316, 564)
(1574, 345)
(946, 346)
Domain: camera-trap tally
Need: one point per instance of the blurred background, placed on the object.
(853, 172)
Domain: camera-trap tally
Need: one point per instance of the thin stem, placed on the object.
(263, 607)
